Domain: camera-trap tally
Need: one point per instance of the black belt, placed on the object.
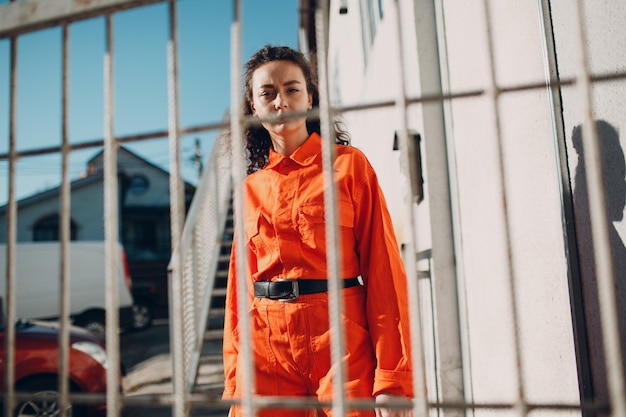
(292, 289)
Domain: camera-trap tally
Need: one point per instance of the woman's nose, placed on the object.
(279, 103)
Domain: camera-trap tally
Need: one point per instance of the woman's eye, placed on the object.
(267, 94)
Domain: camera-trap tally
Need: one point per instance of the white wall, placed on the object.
(606, 51)
(87, 213)
(518, 130)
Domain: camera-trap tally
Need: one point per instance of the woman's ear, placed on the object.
(310, 101)
(252, 109)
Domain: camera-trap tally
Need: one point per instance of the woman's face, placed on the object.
(278, 88)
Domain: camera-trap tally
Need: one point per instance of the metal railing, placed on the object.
(196, 239)
(200, 250)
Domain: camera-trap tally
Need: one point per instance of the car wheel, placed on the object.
(44, 400)
(97, 329)
(142, 316)
(94, 323)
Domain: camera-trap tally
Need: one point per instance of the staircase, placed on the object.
(210, 377)
(215, 323)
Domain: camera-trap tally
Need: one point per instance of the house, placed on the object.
(144, 215)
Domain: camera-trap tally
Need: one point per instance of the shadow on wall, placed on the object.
(614, 173)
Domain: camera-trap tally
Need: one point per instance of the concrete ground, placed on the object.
(146, 356)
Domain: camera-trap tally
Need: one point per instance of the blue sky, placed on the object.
(140, 77)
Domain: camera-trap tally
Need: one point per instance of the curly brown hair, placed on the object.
(257, 139)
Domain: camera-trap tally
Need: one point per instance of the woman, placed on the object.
(286, 248)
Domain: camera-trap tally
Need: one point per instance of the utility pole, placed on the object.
(197, 157)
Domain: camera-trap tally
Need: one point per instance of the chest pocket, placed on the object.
(312, 227)
(259, 242)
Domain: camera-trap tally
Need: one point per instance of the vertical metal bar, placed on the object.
(448, 328)
(9, 370)
(179, 406)
(246, 363)
(111, 241)
(494, 95)
(333, 257)
(64, 231)
(567, 202)
(420, 403)
(302, 41)
(454, 195)
(600, 227)
(198, 327)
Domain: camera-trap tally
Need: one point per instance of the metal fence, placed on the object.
(196, 239)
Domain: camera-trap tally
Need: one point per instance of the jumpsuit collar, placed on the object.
(304, 155)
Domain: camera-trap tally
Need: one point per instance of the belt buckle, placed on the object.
(295, 291)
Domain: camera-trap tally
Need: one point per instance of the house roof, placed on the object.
(100, 155)
(54, 192)
(94, 176)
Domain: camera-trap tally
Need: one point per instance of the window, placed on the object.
(371, 15)
(139, 184)
(47, 229)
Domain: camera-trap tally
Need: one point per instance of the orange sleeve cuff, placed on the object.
(229, 392)
(393, 382)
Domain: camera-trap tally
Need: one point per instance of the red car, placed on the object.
(36, 368)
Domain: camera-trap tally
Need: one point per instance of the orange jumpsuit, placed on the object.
(285, 238)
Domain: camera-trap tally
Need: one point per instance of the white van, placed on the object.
(38, 274)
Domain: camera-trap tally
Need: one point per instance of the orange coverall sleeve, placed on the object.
(231, 327)
(383, 271)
